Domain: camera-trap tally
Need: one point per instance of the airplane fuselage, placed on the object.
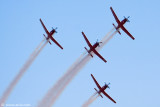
(94, 47)
(122, 23)
(103, 88)
(50, 34)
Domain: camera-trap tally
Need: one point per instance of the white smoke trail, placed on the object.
(69, 79)
(90, 100)
(52, 95)
(21, 73)
(37, 48)
(58, 84)
(105, 40)
(107, 35)
(33, 56)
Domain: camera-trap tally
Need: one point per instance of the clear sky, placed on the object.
(133, 67)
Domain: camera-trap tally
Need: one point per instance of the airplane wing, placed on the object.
(89, 44)
(56, 42)
(125, 30)
(44, 27)
(96, 82)
(99, 55)
(108, 96)
(115, 16)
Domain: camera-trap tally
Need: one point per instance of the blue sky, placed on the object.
(132, 68)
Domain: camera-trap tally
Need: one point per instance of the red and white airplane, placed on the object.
(92, 48)
(121, 23)
(49, 35)
(101, 89)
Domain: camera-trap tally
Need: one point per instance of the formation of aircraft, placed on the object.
(92, 48)
(50, 34)
(120, 24)
(101, 89)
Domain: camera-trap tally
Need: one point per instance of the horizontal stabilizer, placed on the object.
(47, 39)
(89, 52)
(117, 29)
(98, 92)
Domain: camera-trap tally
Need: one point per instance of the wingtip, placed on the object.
(61, 47)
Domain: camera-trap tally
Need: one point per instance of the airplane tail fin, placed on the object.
(98, 92)
(46, 39)
(117, 29)
(88, 52)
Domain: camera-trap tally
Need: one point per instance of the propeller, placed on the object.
(98, 43)
(55, 29)
(127, 18)
(97, 40)
(107, 85)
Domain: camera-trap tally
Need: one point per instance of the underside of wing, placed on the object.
(99, 55)
(125, 30)
(96, 82)
(108, 96)
(89, 44)
(56, 42)
(44, 27)
(115, 16)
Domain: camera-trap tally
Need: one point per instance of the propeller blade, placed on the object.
(128, 19)
(108, 85)
(99, 44)
(97, 40)
(56, 29)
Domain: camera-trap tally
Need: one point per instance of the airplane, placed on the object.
(121, 23)
(101, 89)
(92, 48)
(49, 35)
